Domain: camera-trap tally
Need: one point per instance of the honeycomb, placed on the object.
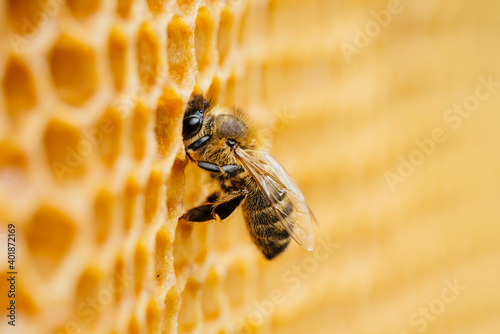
(385, 112)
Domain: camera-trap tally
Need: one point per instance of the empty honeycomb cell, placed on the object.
(49, 236)
(153, 314)
(204, 39)
(140, 122)
(224, 33)
(133, 325)
(180, 52)
(119, 274)
(130, 202)
(12, 156)
(73, 69)
(27, 16)
(236, 283)
(152, 195)
(169, 113)
(229, 98)
(83, 8)
(109, 129)
(189, 313)
(18, 87)
(88, 284)
(90, 297)
(25, 300)
(210, 296)
(182, 251)
(214, 89)
(201, 235)
(156, 6)
(147, 56)
(243, 28)
(63, 150)
(103, 210)
(195, 179)
(123, 8)
(141, 259)
(172, 307)
(117, 53)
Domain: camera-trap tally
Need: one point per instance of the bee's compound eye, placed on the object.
(191, 125)
(230, 142)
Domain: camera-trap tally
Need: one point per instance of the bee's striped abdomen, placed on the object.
(263, 224)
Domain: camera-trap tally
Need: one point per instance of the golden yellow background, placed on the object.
(385, 112)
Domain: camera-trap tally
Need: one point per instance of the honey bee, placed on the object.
(224, 142)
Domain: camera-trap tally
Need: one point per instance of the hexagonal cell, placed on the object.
(140, 122)
(147, 56)
(90, 296)
(156, 6)
(117, 54)
(49, 236)
(109, 129)
(129, 203)
(187, 7)
(83, 8)
(27, 16)
(163, 258)
(120, 279)
(180, 47)
(123, 8)
(201, 246)
(88, 284)
(204, 39)
(229, 97)
(224, 33)
(152, 195)
(243, 28)
(141, 259)
(236, 283)
(175, 191)
(73, 69)
(133, 325)
(25, 301)
(195, 179)
(103, 211)
(172, 306)
(190, 313)
(18, 87)
(210, 297)
(168, 128)
(64, 150)
(153, 316)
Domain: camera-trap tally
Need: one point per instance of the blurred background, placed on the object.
(385, 113)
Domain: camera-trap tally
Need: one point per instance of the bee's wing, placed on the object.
(275, 182)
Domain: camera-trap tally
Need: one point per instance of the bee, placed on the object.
(224, 142)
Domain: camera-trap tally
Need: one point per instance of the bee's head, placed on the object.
(193, 117)
(231, 131)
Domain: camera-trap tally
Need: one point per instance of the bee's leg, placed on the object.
(232, 170)
(224, 209)
(211, 210)
(228, 170)
(203, 212)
